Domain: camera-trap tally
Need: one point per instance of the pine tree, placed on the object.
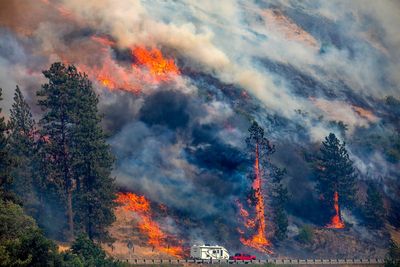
(22, 148)
(279, 199)
(257, 142)
(393, 255)
(95, 192)
(335, 172)
(58, 99)
(259, 149)
(374, 211)
(79, 159)
(5, 159)
(257, 138)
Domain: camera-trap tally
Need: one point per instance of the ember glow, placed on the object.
(157, 238)
(336, 221)
(259, 240)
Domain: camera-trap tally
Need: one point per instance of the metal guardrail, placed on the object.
(274, 261)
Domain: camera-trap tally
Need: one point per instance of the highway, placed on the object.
(285, 262)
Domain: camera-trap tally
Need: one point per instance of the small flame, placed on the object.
(157, 238)
(259, 240)
(336, 221)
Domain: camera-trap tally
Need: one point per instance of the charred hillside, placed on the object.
(146, 127)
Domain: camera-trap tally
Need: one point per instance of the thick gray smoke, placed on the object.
(298, 68)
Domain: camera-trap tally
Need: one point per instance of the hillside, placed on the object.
(145, 127)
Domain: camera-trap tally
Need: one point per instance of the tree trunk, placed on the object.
(70, 216)
(89, 225)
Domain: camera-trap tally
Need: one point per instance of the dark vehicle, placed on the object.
(242, 257)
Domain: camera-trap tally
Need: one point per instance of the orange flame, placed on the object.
(157, 238)
(150, 68)
(336, 221)
(159, 68)
(259, 240)
(111, 75)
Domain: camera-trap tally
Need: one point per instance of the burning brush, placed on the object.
(156, 237)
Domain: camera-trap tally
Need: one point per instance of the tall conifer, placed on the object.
(335, 173)
(5, 158)
(95, 192)
(80, 160)
(22, 148)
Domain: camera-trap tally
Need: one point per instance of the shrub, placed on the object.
(306, 234)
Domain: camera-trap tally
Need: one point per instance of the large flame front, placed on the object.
(157, 238)
(148, 67)
(160, 69)
(259, 240)
(336, 221)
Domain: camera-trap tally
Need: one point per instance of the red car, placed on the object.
(242, 257)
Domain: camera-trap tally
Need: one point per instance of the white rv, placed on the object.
(207, 252)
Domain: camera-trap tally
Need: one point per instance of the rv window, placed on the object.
(221, 252)
(214, 251)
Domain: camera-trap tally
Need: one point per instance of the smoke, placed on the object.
(298, 68)
(174, 154)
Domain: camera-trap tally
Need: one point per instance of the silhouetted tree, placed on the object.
(5, 159)
(280, 198)
(74, 146)
(22, 148)
(393, 256)
(58, 99)
(95, 192)
(335, 172)
(374, 211)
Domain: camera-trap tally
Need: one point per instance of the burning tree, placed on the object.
(261, 148)
(336, 177)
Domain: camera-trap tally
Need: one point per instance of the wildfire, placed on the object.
(149, 68)
(336, 221)
(160, 69)
(367, 114)
(259, 240)
(248, 223)
(103, 40)
(112, 75)
(157, 238)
